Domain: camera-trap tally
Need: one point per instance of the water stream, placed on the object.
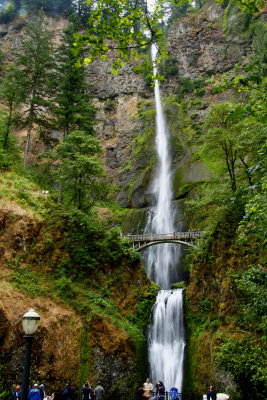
(166, 333)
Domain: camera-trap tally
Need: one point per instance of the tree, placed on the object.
(252, 6)
(11, 93)
(218, 147)
(35, 60)
(72, 105)
(50, 6)
(119, 26)
(9, 10)
(82, 9)
(178, 11)
(234, 134)
(80, 169)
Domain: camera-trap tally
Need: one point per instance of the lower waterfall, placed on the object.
(166, 339)
(166, 332)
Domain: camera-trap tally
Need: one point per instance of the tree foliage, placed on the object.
(245, 359)
(11, 94)
(252, 6)
(123, 29)
(80, 169)
(35, 61)
(72, 106)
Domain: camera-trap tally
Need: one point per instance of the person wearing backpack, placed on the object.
(174, 393)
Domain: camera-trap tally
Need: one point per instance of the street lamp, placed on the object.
(30, 322)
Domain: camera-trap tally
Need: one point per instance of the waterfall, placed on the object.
(166, 339)
(166, 332)
(161, 261)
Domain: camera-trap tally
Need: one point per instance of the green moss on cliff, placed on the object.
(227, 293)
(75, 259)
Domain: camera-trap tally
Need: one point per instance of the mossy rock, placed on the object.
(179, 179)
(134, 221)
(179, 285)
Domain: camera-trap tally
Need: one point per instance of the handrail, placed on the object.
(123, 395)
(164, 236)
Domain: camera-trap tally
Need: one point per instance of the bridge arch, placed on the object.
(145, 245)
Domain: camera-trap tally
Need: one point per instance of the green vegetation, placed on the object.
(80, 170)
(87, 266)
(187, 85)
(79, 257)
(231, 204)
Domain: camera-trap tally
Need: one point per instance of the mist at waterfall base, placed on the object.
(166, 333)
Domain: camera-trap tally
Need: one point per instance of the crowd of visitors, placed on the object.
(38, 392)
(147, 391)
(144, 392)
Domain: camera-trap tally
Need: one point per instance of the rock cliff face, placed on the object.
(118, 125)
(199, 45)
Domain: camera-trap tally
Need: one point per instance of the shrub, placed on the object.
(245, 359)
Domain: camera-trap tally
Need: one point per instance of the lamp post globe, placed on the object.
(30, 323)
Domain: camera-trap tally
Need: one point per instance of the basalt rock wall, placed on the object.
(200, 46)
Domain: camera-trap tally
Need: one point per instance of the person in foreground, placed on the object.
(212, 395)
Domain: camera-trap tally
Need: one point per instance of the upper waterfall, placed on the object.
(161, 261)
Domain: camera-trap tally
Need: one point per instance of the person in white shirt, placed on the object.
(148, 388)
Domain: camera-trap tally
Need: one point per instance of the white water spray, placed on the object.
(166, 339)
(166, 333)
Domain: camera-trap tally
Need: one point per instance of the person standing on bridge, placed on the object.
(99, 392)
(160, 390)
(148, 388)
(86, 390)
(211, 395)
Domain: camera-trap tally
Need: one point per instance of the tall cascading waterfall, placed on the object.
(166, 333)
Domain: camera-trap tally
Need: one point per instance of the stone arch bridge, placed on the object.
(141, 242)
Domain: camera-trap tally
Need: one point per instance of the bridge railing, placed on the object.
(123, 395)
(164, 236)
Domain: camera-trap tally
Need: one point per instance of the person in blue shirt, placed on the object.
(34, 393)
(67, 392)
(86, 389)
(16, 395)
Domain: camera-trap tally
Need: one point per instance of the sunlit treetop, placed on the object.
(124, 28)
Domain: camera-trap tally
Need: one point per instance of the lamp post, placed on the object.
(30, 322)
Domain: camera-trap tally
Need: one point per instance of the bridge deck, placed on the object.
(165, 236)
